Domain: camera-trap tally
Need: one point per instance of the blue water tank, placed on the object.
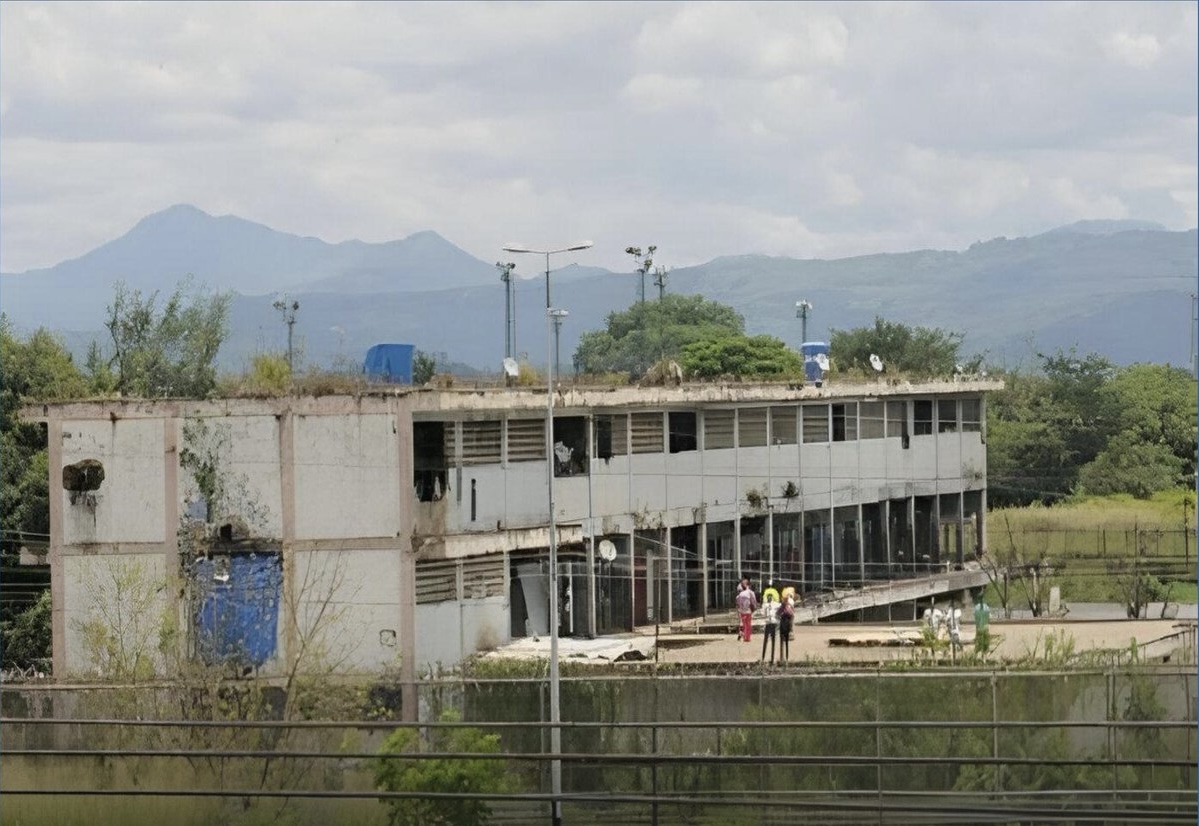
(815, 359)
(390, 363)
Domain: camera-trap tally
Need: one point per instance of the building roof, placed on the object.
(502, 399)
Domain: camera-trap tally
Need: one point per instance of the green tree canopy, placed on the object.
(1082, 424)
(740, 355)
(1129, 465)
(37, 367)
(918, 351)
(647, 332)
(163, 351)
(1156, 404)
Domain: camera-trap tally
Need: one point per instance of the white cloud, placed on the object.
(709, 128)
(1137, 50)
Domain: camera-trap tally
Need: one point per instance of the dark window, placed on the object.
(611, 436)
(845, 422)
(429, 459)
(570, 446)
(922, 417)
(682, 431)
(947, 416)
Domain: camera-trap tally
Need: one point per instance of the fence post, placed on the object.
(1111, 731)
(878, 739)
(995, 732)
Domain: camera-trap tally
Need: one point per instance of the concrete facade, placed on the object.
(416, 521)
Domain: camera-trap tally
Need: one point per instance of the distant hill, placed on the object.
(1121, 288)
(230, 253)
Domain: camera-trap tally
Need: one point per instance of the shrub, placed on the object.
(442, 775)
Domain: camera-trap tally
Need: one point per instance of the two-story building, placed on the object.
(415, 521)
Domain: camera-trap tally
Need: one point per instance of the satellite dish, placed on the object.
(607, 550)
(511, 368)
(876, 363)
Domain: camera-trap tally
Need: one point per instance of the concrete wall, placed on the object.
(129, 504)
(347, 476)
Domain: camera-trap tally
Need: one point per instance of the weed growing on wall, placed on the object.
(128, 625)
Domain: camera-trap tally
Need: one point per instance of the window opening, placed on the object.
(897, 419)
(947, 416)
(526, 440)
(751, 427)
(972, 416)
(815, 423)
(611, 436)
(647, 432)
(481, 443)
(845, 422)
(922, 417)
(570, 446)
(718, 429)
(783, 425)
(870, 420)
(683, 434)
(430, 459)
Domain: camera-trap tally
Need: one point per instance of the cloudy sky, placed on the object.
(808, 130)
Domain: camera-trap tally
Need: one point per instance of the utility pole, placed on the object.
(643, 266)
(509, 308)
(801, 312)
(289, 318)
(660, 281)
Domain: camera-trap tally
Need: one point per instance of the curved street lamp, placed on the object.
(555, 710)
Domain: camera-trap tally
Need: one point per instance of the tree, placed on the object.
(35, 368)
(1027, 456)
(1044, 427)
(27, 635)
(740, 355)
(169, 350)
(1128, 465)
(424, 367)
(1075, 405)
(1155, 404)
(648, 332)
(918, 351)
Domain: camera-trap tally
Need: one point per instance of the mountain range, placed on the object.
(1119, 288)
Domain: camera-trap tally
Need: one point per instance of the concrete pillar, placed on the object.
(407, 516)
(58, 608)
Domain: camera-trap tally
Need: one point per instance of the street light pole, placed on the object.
(558, 315)
(555, 704)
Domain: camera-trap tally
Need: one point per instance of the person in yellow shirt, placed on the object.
(770, 592)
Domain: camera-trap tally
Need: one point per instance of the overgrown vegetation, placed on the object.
(1096, 549)
(441, 775)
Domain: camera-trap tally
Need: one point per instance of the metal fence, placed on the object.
(962, 746)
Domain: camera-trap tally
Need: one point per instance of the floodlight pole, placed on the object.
(801, 312)
(509, 316)
(289, 318)
(555, 704)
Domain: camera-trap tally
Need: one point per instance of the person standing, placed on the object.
(786, 622)
(770, 613)
(747, 603)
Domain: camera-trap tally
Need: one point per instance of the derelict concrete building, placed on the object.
(415, 520)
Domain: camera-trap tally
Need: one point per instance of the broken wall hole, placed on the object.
(83, 476)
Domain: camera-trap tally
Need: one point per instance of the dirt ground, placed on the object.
(1011, 640)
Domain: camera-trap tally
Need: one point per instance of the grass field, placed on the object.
(1095, 547)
